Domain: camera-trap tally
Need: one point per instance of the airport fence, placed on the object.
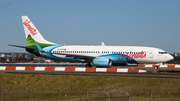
(63, 94)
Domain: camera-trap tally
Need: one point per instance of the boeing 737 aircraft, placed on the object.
(92, 55)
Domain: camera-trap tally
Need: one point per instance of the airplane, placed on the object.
(99, 56)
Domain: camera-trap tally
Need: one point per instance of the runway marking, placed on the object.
(80, 69)
(74, 69)
(160, 66)
(91, 69)
(39, 68)
(3, 68)
(101, 69)
(122, 70)
(10, 68)
(131, 70)
(70, 69)
(111, 69)
(50, 69)
(30, 68)
(59, 69)
(20, 68)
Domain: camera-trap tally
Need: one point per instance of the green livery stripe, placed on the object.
(31, 43)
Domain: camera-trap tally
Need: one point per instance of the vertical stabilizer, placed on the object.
(32, 34)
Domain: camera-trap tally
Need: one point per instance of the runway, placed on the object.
(154, 75)
(127, 71)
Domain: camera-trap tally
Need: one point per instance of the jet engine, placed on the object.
(102, 62)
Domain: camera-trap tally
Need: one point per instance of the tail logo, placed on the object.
(32, 30)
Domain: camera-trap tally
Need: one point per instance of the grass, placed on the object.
(163, 89)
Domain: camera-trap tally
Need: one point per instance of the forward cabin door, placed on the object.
(151, 52)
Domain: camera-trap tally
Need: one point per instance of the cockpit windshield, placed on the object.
(162, 52)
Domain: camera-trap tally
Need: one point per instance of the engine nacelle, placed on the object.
(102, 62)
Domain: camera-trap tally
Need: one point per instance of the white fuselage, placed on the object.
(138, 53)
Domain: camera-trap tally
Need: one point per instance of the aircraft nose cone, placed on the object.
(170, 57)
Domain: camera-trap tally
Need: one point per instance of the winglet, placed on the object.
(102, 44)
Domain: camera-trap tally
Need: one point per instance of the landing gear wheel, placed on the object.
(88, 65)
(156, 67)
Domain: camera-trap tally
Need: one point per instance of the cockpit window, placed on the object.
(162, 52)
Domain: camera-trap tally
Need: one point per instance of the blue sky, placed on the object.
(154, 23)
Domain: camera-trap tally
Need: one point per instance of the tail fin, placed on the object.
(32, 34)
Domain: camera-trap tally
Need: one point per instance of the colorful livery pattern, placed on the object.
(100, 56)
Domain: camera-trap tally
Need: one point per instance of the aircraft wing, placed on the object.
(67, 54)
(86, 57)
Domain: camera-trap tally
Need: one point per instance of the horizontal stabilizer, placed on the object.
(21, 46)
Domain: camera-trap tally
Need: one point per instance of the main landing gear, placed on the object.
(88, 65)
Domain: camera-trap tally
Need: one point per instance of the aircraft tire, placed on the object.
(88, 65)
(156, 67)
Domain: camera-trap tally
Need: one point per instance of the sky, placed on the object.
(153, 23)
